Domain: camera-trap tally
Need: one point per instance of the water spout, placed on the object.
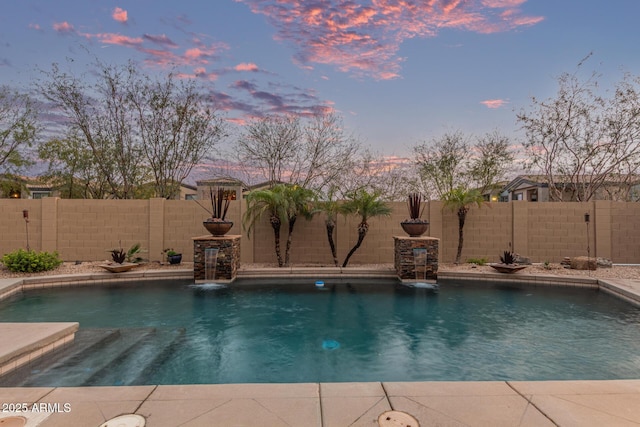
(420, 259)
(210, 262)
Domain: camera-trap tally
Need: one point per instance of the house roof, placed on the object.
(265, 184)
(526, 181)
(220, 182)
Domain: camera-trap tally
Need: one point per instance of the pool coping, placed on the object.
(626, 289)
(542, 403)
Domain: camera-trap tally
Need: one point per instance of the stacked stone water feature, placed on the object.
(405, 260)
(228, 257)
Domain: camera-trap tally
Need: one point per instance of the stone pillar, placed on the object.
(404, 258)
(228, 260)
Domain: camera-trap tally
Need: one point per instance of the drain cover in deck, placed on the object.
(397, 419)
(128, 420)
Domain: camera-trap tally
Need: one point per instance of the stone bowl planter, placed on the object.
(508, 268)
(415, 228)
(119, 268)
(218, 228)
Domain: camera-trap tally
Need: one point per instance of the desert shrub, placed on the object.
(507, 258)
(132, 255)
(22, 261)
(478, 261)
(118, 255)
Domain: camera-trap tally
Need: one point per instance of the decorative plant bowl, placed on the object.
(415, 228)
(218, 228)
(175, 259)
(508, 268)
(114, 267)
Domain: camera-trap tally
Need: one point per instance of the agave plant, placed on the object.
(118, 255)
(507, 258)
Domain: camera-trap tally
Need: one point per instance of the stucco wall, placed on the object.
(86, 229)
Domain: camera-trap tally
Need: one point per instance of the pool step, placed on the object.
(135, 365)
(77, 368)
(85, 342)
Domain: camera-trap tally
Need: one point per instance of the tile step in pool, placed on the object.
(100, 357)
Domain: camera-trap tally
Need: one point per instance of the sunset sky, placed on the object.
(398, 71)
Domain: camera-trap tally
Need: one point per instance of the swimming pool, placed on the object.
(176, 333)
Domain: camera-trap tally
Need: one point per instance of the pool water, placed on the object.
(350, 332)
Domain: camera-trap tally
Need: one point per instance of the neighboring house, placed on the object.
(535, 188)
(147, 191)
(21, 187)
(39, 191)
(530, 188)
(188, 192)
(262, 186)
(32, 188)
(234, 187)
(492, 194)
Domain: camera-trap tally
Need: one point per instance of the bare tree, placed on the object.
(72, 169)
(270, 145)
(327, 154)
(585, 143)
(101, 113)
(450, 163)
(441, 162)
(310, 152)
(137, 129)
(18, 128)
(176, 126)
(492, 160)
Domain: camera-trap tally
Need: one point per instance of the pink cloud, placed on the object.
(34, 27)
(194, 53)
(246, 67)
(494, 103)
(502, 3)
(114, 38)
(364, 39)
(161, 39)
(196, 56)
(119, 15)
(63, 27)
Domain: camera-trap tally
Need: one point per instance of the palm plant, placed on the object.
(299, 203)
(366, 205)
(331, 208)
(460, 200)
(272, 201)
(284, 203)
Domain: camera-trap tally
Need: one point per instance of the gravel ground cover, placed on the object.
(617, 271)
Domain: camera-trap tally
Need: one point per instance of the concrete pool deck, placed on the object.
(493, 403)
(549, 403)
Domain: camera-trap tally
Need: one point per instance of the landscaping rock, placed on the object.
(519, 259)
(604, 262)
(583, 263)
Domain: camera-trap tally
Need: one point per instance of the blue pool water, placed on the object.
(346, 332)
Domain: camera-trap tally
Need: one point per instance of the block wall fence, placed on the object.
(84, 230)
